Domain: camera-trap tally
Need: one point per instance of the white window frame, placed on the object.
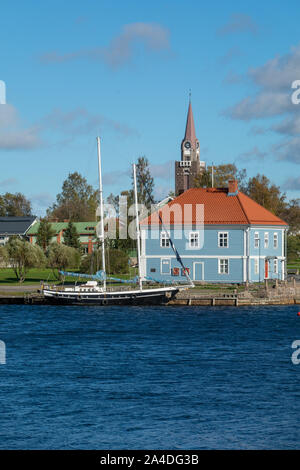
(195, 236)
(220, 260)
(256, 239)
(256, 265)
(223, 236)
(266, 240)
(275, 266)
(275, 240)
(164, 238)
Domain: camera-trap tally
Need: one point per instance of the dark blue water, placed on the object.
(132, 378)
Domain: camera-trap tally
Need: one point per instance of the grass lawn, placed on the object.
(34, 276)
(294, 264)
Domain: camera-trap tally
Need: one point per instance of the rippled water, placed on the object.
(163, 377)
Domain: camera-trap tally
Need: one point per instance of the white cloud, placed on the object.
(8, 182)
(13, 134)
(272, 98)
(292, 184)
(288, 150)
(42, 200)
(265, 104)
(163, 171)
(80, 121)
(116, 177)
(253, 153)
(238, 23)
(289, 126)
(121, 49)
(279, 72)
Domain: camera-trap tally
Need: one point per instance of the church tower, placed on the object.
(189, 165)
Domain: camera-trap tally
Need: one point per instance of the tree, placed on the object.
(144, 183)
(293, 248)
(116, 262)
(222, 174)
(14, 205)
(77, 201)
(71, 236)
(261, 190)
(23, 256)
(62, 257)
(291, 215)
(44, 234)
(3, 256)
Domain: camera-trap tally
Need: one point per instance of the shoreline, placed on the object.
(38, 299)
(286, 293)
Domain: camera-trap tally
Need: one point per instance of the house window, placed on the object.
(194, 240)
(275, 240)
(275, 266)
(266, 240)
(223, 266)
(256, 240)
(256, 265)
(164, 240)
(223, 239)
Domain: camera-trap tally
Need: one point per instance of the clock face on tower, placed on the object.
(187, 145)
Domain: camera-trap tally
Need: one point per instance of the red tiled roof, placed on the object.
(219, 208)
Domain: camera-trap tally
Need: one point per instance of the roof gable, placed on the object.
(219, 209)
(15, 225)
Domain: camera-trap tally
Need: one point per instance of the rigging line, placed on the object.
(178, 258)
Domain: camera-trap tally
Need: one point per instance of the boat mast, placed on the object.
(101, 213)
(138, 235)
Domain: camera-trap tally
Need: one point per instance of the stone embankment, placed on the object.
(270, 293)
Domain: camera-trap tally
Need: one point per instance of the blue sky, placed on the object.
(123, 70)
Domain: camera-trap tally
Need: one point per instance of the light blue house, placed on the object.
(221, 235)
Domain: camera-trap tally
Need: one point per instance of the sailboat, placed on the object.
(95, 290)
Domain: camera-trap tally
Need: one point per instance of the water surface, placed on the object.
(136, 377)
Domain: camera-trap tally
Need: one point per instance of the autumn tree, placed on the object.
(77, 201)
(291, 215)
(44, 234)
(221, 174)
(14, 205)
(261, 190)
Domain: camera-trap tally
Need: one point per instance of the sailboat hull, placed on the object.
(139, 297)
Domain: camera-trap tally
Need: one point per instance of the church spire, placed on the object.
(190, 166)
(190, 134)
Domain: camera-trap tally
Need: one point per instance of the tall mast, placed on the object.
(101, 212)
(138, 235)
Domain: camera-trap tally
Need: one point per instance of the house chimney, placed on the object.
(232, 187)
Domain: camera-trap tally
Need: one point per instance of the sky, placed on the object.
(123, 70)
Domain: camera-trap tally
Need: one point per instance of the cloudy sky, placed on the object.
(123, 70)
